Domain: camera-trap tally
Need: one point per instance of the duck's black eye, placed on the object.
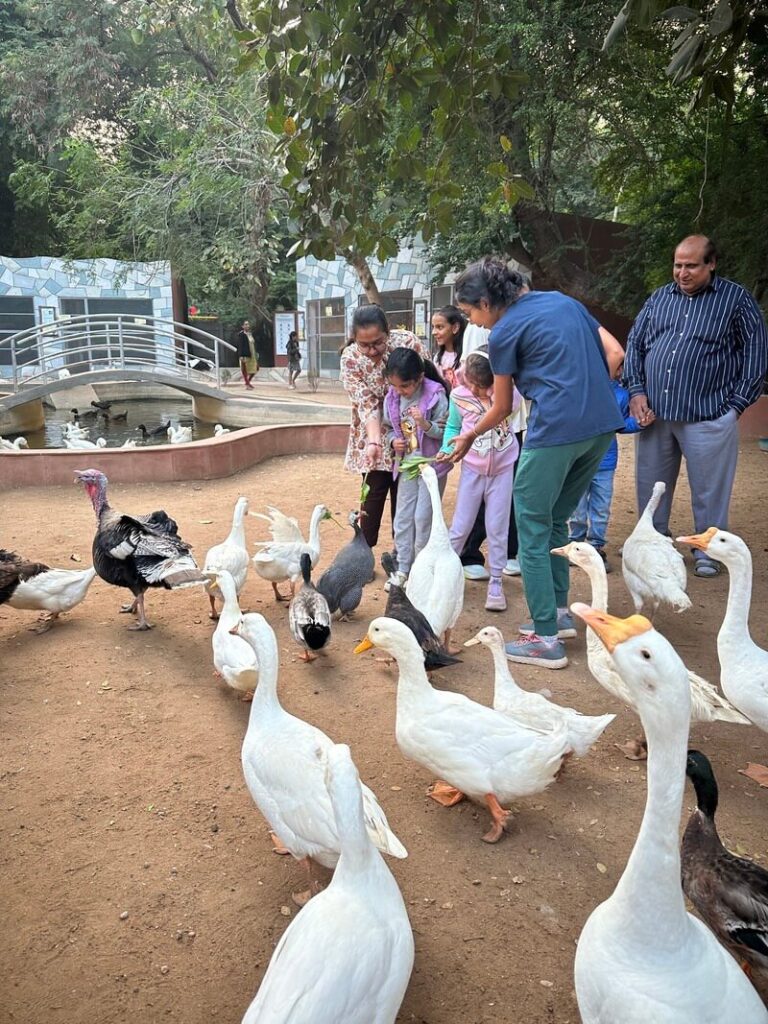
(646, 654)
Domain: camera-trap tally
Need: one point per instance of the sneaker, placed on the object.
(401, 579)
(566, 627)
(476, 572)
(512, 568)
(495, 600)
(534, 651)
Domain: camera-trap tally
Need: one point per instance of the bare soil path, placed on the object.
(122, 794)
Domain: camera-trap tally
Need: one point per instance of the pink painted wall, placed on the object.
(199, 460)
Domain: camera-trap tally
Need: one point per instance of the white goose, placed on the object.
(179, 435)
(533, 709)
(234, 659)
(348, 956)
(33, 586)
(219, 430)
(641, 956)
(82, 444)
(479, 753)
(284, 766)
(280, 558)
(653, 568)
(707, 703)
(743, 665)
(13, 446)
(231, 554)
(436, 582)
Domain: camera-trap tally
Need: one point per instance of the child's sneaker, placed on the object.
(512, 568)
(566, 627)
(533, 650)
(476, 572)
(495, 600)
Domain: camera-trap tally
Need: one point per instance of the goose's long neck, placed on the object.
(413, 683)
(439, 530)
(356, 848)
(649, 891)
(237, 533)
(265, 698)
(504, 684)
(598, 600)
(735, 627)
(314, 529)
(230, 613)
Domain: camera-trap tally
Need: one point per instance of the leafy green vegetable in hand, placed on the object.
(409, 467)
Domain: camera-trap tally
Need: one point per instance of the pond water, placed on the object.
(152, 413)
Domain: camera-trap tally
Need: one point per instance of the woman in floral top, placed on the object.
(362, 374)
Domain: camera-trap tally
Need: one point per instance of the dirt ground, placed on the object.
(122, 792)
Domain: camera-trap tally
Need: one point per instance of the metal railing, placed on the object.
(120, 341)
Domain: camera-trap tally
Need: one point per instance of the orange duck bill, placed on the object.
(611, 630)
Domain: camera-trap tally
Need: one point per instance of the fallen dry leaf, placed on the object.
(757, 772)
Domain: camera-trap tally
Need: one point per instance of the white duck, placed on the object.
(13, 446)
(641, 956)
(348, 956)
(436, 582)
(219, 430)
(130, 443)
(743, 665)
(654, 570)
(234, 659)
(81, 443)
(283, 763)
(74, 430)
(179, 435)
(534, 709)
(484, 755)
(231, 554)
(33, 586)
(280, 558)
(707, 703)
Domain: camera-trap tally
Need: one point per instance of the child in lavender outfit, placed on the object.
(487, 471)
(415, 411)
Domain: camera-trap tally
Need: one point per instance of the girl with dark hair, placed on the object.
(415, 411)
(550, 346)
(362, 374)
(448, 326)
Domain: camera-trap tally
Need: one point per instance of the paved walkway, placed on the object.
(329, 392)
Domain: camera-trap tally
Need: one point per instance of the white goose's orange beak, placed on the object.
(364, 645)
(699, 540)
(611, 630)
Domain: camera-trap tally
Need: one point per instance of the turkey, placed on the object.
(342, 582)
(137, 552)
(33, 586)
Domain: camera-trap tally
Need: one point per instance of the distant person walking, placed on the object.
(246, 352)
(362, 373)
(293, 351)
(696, 358)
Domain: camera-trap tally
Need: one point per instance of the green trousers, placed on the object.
(548, 486)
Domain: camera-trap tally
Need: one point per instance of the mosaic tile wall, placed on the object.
(48, 279)
(325, 279)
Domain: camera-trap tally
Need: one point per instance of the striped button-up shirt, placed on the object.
(697, 356)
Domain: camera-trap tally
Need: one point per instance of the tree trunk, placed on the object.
(360, 265)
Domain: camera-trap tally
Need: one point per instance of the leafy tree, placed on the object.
(358, 93)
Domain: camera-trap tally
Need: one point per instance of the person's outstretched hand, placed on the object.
(461, 446)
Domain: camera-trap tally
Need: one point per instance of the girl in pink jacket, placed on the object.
(486, 472)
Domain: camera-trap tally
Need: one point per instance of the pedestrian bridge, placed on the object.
(95, 349)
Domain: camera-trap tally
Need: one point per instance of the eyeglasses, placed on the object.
(371, 346)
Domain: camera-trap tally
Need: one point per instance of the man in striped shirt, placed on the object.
(697, 357)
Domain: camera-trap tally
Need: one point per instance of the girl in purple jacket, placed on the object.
(487, 472)
(415, 411)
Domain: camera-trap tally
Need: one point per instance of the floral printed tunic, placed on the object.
(366, 386)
